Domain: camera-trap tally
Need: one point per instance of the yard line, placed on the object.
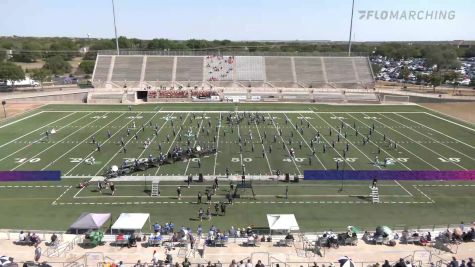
(87, 138)
(325, 168)
(263, 148)
(403, 188)
(37, 130)
(217, 145)
(441, 134)
(440, 118)
(400, 145)
(423, 145)
(323, 137)
(196, 140)
(46, 149)
(29, 145)
(286, 148)
(382, 149)
(420, 191)
(173, 141)
(24, 118)
(120, 149)
(239, 136)
(153, 138)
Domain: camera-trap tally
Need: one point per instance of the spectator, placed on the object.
(454, 262)
(139, 264)
(233, 264)
(37, 253)
(249, 264)
(386, 264)
(400, 263)
(186, 263)
(241, 264)
(22, 236)
(470, 262)
(260, 264)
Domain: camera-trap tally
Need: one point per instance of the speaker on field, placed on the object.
(287, 177)
(200, 178)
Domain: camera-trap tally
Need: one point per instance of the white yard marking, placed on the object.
(48, 148)
(458, 124)
(285, 145)
(399, 143)
(263, 148)
(217, 144)
(27, 146)
(441, 134)
(60, 196)
(194, 144)
(173, 141)
(87, 138)
(371, 141)
(424, 194)
(403, 188)
(36, 130)
(305, 141)
(24, 118)
(435, 152)
(329, 145)
(120, 149)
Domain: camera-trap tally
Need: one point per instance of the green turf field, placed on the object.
(425, 141)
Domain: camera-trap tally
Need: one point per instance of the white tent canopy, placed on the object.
(282, 222)
(90, 220)
(130, 221)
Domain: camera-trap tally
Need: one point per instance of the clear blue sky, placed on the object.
(234, 20)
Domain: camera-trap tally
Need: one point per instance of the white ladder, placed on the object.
(155, 190)
(375, 194)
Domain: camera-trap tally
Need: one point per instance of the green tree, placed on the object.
(435, 80)
(11, 72)
(87, 66)
(57, 65)
(41, 75)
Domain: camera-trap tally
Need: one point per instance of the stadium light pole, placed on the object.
(351, 27)
(115, 28)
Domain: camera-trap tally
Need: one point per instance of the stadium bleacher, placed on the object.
(189, 69)
(279, 71)
(233, 71)
(250, 68)
(127, 69)
(159, 69)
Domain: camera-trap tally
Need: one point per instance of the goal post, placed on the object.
(396, 98)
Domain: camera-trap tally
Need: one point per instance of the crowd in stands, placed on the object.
(203, 93)
(172, 94)
(219, 67)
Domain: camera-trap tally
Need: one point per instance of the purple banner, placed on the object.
(25, 176)
(388, 175)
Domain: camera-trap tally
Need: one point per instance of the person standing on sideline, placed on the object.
(37, 253)
(112, 187)
(286, 192)
(178, 192)
(199, 197)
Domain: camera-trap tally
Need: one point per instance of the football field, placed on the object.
(322, 137)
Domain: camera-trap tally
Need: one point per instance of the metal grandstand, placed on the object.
(136, 70)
